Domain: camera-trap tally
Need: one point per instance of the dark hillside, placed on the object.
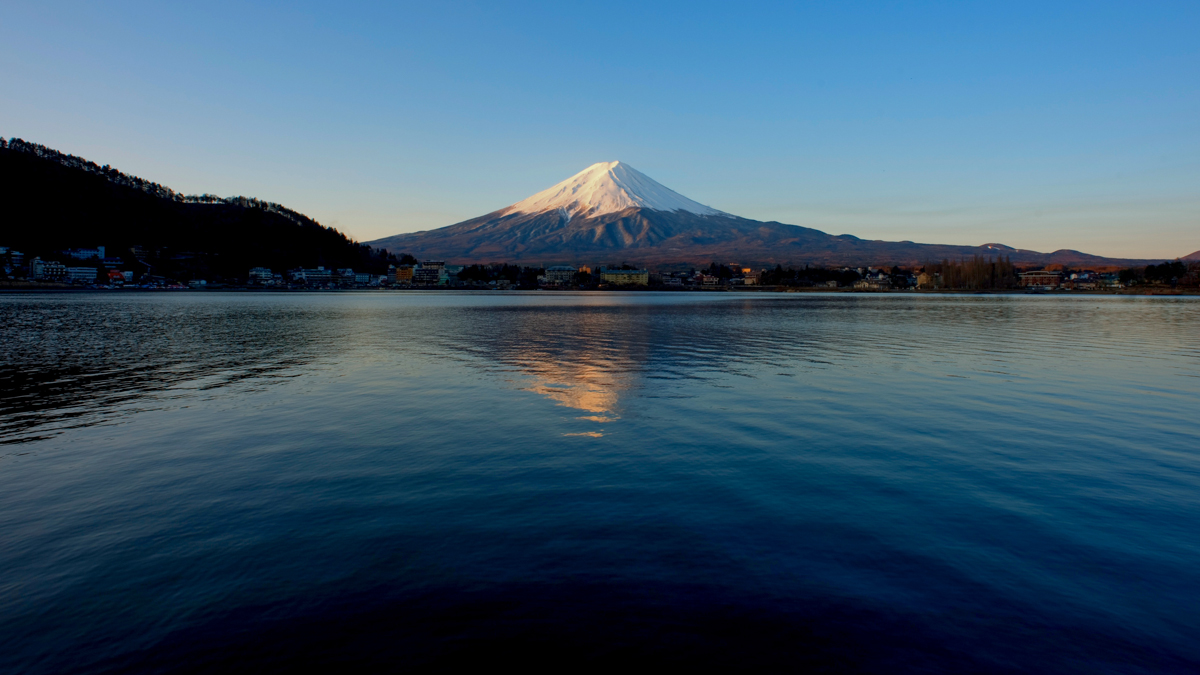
(55, 201)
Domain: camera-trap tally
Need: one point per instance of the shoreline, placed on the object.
(62, 288)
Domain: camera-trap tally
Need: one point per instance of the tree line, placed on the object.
(149, 187)
(1174, 273)
(978, 273)
(522, 277)
(57, 201)
(806, 276)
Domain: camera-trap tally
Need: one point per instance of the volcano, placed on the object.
(613, 213)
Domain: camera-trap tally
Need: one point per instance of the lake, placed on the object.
(217, 482)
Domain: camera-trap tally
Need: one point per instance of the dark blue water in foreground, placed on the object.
(876, 483)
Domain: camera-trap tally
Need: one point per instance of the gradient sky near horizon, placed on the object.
(1040, 125)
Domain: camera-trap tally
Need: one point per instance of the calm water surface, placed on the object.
(206, 482)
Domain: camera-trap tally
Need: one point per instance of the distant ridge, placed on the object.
(610, 212)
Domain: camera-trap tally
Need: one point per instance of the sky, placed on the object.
(1040, 125)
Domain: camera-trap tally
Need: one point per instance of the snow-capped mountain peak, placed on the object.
(608, 187)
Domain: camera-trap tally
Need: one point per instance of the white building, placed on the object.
(320, 275)
(51, 270)
(560, 274)
(427, 276)
(81, 275)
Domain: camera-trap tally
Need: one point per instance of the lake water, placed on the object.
(208, 482)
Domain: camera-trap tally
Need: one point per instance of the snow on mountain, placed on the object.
(608, 187)
(611, 212)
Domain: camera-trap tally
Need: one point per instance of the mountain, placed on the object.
(1191, 257)
(56, 201)
(610, 212)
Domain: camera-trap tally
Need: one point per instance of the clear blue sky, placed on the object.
(1041, 125)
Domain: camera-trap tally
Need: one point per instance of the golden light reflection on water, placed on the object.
(580, 394)
(584, 361)
(592, 386)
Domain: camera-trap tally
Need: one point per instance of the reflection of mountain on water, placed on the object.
(588, 357)
(584, 387)
(80, 360)
(582, 358)
(579, 357)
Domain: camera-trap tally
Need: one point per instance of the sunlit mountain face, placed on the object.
(611, 212)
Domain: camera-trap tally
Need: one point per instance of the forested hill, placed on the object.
(54, 201)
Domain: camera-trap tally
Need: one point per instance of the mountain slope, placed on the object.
(58, 201)
(611, 212)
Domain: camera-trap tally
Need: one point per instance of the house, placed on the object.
(81, 275)
(1082, 281)
(430, 273)
(261, 275)
(317, 276)
(874, 280)
(1041, 280)
(625, 277)
(559, 275)
(49, 270)
(873, 284)
(313, 276)
(929, 280)
(426, 276)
